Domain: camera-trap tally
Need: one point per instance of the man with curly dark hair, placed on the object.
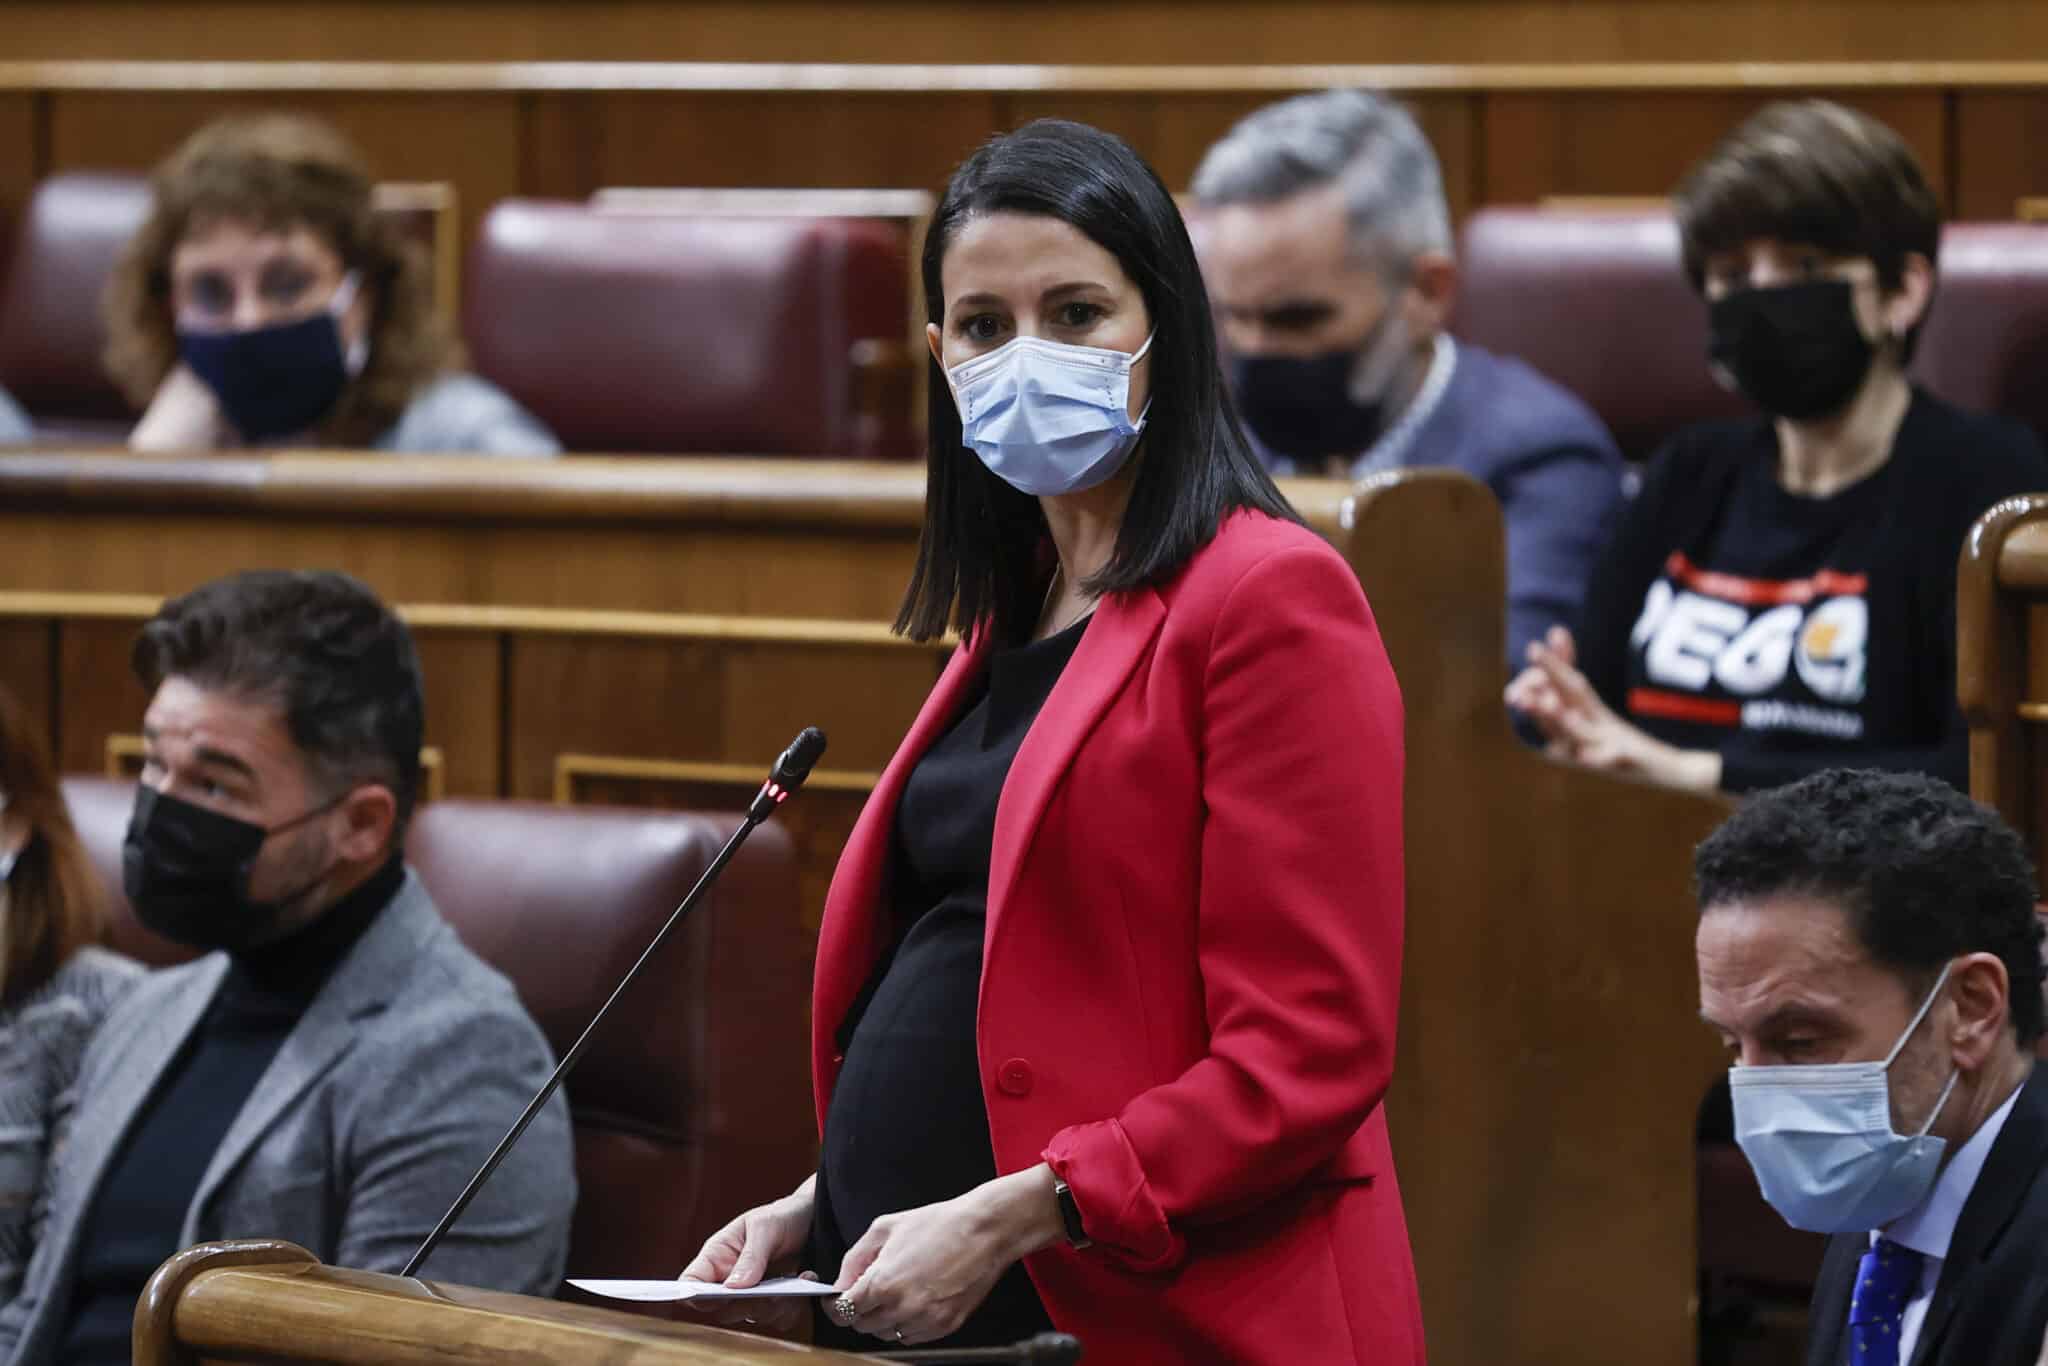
(1869, 951)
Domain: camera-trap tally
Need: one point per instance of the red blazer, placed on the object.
(1192, 962)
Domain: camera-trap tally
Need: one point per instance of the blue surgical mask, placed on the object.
(1820, 1140)
(1049, 417)
(280, 380)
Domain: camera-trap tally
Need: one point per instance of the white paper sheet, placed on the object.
(669, 1292)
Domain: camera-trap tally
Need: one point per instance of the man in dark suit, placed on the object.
(1868, 949)
(1326, 246)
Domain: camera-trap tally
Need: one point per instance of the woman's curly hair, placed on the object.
(279, 172)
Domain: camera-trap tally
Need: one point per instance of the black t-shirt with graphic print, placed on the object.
(1793, 634)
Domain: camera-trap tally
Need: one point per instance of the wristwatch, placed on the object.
(1070, 1215)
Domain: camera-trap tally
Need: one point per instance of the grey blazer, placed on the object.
(411, 1062)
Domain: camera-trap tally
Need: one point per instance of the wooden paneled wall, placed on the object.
(546, 705)
(1505, 134)
(1133, 31)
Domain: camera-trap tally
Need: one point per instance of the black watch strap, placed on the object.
(1070, 1215)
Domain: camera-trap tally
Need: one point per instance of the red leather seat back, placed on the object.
(1985, 345)
(51, 330)
(1598, 302)
(649, 332)
(693, 1102)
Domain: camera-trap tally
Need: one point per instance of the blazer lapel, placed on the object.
(363, 984)
(847, 947)
(1828, 1320)
(2014, 1163)
(138, 1063)
(1110, 649)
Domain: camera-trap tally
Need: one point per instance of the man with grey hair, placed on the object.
(1326, 245)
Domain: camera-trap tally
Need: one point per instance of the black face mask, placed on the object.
(273, 381)
(1301, 406)
(186, 871)
(1795, 351)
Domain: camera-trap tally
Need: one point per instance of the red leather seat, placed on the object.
(693, 1101)
(1985, 345)
(51, 331)
(1597, 301)
(713, 334)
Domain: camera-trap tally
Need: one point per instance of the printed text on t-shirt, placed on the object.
(1723, 650)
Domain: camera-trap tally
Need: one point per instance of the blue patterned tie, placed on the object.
(1887, 1277)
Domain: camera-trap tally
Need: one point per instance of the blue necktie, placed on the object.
(1887, 1277)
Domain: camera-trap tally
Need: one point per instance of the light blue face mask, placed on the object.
(1820, 1140)
(1049, 417)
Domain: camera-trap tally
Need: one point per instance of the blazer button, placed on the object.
(1013, 1078)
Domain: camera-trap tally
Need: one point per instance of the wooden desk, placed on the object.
(272, 1302)
(796, 538)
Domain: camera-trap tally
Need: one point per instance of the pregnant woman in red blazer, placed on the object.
(1107, 983)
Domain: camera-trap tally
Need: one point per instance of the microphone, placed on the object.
(791, 768)
(783, 781)
(1047, 1349)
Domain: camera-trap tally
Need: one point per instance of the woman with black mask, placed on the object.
(1781, 596)
(264, 302)
(55, 986)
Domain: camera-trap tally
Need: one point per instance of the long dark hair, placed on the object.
(980, 561)
(54, 902)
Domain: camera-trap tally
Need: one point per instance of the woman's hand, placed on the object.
(1578, 726)
(747, 1250)
(184, 416)
(916, 1276)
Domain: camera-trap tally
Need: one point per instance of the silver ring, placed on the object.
(845, 1311)
(898, 1335)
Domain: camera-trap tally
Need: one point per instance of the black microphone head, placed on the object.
(796, 762)
(1051, 1349)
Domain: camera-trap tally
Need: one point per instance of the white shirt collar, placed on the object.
(1391, 450)
(1928, 1227)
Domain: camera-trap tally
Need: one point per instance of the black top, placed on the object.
(907, 1125)
(136, 1218)
(1790, 633)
